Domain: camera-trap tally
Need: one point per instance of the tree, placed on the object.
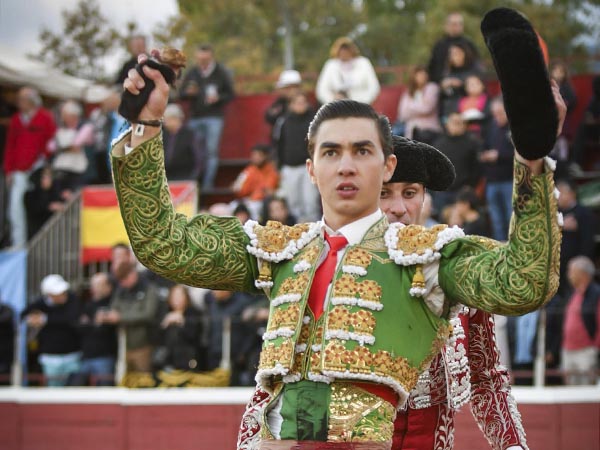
(249, 36)
(85, 40)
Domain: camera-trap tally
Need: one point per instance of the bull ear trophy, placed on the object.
(523, 75)
(169, 62)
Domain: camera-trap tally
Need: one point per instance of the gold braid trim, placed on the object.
(516, 277)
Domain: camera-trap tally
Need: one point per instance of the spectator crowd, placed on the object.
(77, 335)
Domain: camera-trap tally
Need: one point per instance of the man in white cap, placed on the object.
(54, 319)
(288, 84)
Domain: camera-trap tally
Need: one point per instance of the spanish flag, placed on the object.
(101, 223)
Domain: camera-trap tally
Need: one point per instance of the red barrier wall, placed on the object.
(245, 126)
(80, 426)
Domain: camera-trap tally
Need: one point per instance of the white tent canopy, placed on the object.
(18, 70)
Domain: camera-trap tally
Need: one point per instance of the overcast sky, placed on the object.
(22, 20)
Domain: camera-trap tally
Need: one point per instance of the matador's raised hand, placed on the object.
(146, 88)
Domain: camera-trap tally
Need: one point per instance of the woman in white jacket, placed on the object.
(347, 74)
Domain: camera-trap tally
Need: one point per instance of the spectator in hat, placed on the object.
(288, 84)
(258, 180)
(54, 317)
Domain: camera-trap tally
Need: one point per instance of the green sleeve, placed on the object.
(520, 275)
(204, 251)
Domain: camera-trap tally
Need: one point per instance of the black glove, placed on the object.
(131, 105)
(521, 69)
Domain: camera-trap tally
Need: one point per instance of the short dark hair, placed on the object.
(467, 195)
(343, 109)
(264, 148)
(205, 47)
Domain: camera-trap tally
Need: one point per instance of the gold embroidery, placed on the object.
(204, 251)
(272, 354)
(274, 236)
(335, 356)
(338, 318)
(416, 239)
(363, 322)
(356, 415)
(310, 254)
(362, 360)
(358, 257)
(285, 318)
(347, 286)
(370, 290)
(521, 275)
(359, 360)
(294, 285)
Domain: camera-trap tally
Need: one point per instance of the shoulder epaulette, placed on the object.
(275, 242)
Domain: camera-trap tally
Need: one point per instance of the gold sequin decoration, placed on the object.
(294, 285)
(272, 354)
(274, 236)
(347, 286)
(416, 239)
(356, 415)
(285, 318)
(358, 257)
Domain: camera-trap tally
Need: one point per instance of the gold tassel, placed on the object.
(264, 274)
(418, 278)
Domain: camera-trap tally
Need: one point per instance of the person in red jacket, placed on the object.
(29, 131)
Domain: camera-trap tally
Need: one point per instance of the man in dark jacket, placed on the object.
(134, 306)
(454, 34)
(209, 87)
(301, 194)
(184, 155)
(462, 149)
(579, 225)
(54, 317)
(98, 337)
(7, 342)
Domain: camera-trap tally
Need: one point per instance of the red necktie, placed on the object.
(324, 275)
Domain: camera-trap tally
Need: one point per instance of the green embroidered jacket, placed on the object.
(390, 299)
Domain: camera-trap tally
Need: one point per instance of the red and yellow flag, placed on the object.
(101, 222)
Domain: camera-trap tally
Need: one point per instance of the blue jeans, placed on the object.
(57, 368)
(17, 215)
(499, 199)
(102, 367)
(210, 128)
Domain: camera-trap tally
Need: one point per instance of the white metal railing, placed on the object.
(56, 248)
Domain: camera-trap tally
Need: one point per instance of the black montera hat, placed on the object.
(421, 163)
(524, 79)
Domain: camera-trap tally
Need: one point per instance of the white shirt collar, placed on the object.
(354, 232)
